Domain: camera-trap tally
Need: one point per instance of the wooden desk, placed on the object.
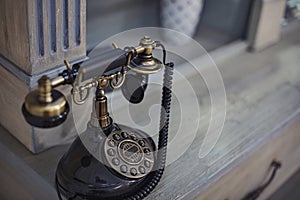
(262, 124)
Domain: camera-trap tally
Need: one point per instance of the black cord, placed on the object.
(257, 192)
(155, 176)
(158, 44)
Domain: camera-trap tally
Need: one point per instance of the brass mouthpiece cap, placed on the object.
(45, 107)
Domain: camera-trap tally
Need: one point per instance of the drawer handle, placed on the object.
(257, 192)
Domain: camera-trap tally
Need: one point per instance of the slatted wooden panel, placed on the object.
(13, 92)
(37, 35)
(14, 40)
(262, 123)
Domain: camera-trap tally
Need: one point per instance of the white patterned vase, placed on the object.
(182, 16)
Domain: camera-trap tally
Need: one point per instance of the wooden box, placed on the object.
(265, 23)
(38, 35)
(35, 38)
(13, 92)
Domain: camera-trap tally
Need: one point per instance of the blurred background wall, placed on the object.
(220, 22)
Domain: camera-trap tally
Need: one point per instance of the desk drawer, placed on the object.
(251, 172)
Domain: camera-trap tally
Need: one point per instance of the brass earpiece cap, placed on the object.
(45, 102)
(44, 109)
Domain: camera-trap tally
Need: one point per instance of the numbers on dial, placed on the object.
(129, 154)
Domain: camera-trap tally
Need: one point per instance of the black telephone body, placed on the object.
(128, 163)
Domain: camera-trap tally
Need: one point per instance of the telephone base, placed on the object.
(81, 174)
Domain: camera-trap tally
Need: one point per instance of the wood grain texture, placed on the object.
(262, 98)
(43, 163)
(253, 170)
(31, 33)
(72, 52)
(12, 91)
(14, 37)
(43, 50)
(265, 23)
(12, 96)
(19, 181)
(262, 92)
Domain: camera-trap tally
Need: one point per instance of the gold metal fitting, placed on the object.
(101, 110)
(146, 46)
(145, 66)
(45, 89)
(145, 63)
(81, 93)
(45, 102)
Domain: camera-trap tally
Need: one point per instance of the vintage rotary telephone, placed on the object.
(128, 164)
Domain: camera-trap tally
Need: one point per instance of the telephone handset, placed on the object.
(108, 160)
(134, 87)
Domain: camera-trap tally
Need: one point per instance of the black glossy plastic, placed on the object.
(80, 175)
(134, 87)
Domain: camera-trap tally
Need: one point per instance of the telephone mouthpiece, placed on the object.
(134, 87)
(45, 108)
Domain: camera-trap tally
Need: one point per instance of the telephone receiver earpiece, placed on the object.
(45, 107)
(134, 87)
(130, 163)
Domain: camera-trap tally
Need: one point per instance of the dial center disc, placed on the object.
(131, 152)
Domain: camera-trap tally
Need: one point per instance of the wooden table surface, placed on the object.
(263, 92)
